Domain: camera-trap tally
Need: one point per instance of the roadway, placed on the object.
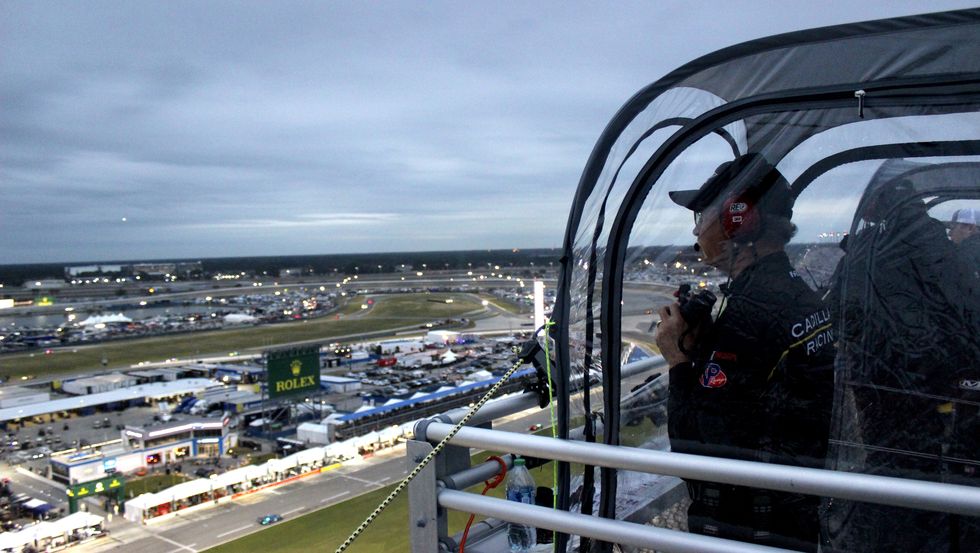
(492, 319)
(35, 485)
(200, 530)
(197, 289)
(209, 527)
(206, 528)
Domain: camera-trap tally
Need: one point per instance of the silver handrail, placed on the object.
(614, 531)
(901, 492)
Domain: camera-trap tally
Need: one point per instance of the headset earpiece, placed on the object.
(740, 218)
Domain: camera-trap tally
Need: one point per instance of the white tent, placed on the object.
(138, 505)
(313, 433)
(344, 449)
(105, 319)
(33, 503)
(239, 318)
(44, 530)
(479, 376)
(310, 456)
(408, 429)
(184, 490)
(76, 521)
(301, 457)
(15, 541)
(440, 336)
(238, 476)
(280, 465)
(366, 440)
(390, 434)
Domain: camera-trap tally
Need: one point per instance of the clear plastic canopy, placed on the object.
(875, 128)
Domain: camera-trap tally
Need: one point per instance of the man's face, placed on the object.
(959, 232)
(711, 236)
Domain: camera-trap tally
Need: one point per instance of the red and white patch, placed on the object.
(713, 376)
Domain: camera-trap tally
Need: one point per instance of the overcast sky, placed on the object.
(137, 130)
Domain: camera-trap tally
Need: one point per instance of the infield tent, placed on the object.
(54, 535)
(876, 126)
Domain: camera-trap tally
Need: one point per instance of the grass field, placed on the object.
(506, 305)
(388, 312)
(153, 483)
(326, 529)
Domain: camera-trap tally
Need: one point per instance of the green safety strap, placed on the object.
(554, 421)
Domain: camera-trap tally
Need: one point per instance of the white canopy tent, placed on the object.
(239, 476)
(15, 541)
(310, 456)
(240, 318)
(43, 530)
(93, 320)
(77, 521)
(184, 490)
(138, 505)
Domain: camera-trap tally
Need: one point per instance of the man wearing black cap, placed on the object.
(756, 384)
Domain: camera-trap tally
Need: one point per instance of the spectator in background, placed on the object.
(965, 233)
(907, 315)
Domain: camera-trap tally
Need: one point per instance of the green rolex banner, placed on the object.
(112, 485)
(293, 371)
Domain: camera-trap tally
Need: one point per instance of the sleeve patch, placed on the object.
(713, 376)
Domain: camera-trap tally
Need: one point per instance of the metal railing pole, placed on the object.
(613, 531)
(901, 492)
(475, 475)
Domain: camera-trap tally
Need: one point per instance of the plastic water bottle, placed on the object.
(520, 488)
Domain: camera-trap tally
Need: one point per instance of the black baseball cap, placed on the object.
(749, 176)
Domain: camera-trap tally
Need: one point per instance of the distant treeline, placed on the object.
(319, 264)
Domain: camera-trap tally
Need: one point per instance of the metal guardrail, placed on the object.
(900, 492)
(440, 488)
(613, 531)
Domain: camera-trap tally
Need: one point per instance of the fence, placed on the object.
(437, 488)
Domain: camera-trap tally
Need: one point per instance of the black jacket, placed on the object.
(761, 383)
(907, 306)
(969, 252)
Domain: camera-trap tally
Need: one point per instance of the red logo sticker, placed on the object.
(724, 356)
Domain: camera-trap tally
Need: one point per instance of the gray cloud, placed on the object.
(256, 128)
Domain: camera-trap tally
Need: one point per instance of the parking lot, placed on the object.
(31, 441)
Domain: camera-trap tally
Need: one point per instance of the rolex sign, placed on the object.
(293, 371)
